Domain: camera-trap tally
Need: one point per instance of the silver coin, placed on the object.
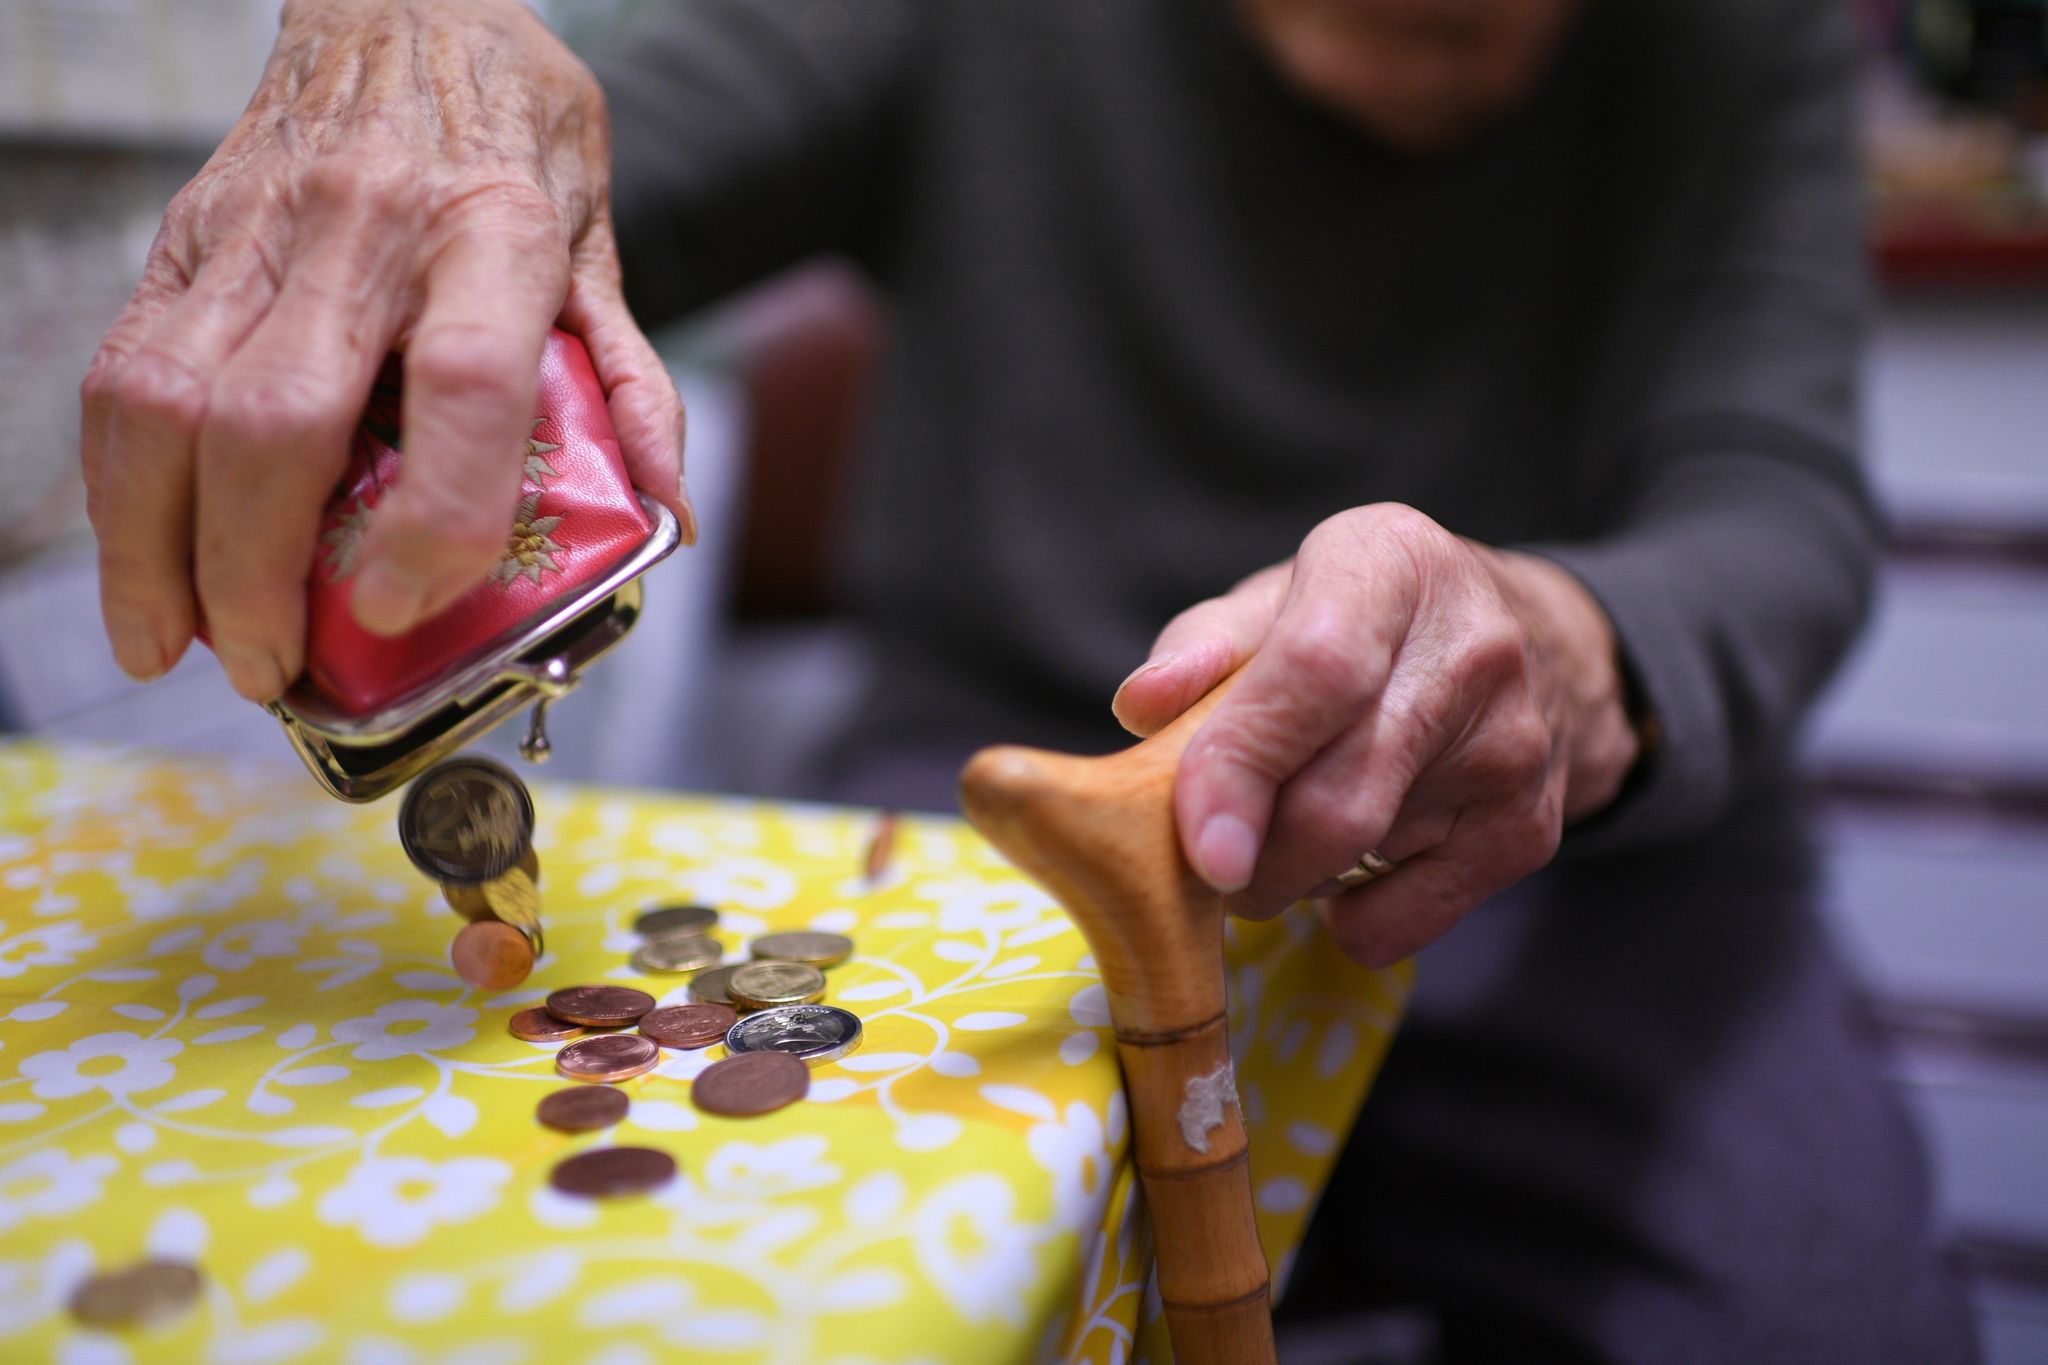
(674, 919)
(466, 821)
(812, 1033)
(676, 953)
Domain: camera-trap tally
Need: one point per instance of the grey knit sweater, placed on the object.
(1155, 316)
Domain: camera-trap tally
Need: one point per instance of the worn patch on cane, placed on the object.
(1202, 1101)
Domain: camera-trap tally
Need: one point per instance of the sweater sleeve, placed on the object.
(1735, 540)
(747, 135)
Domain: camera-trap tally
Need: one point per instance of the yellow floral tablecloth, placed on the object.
(228, 1033)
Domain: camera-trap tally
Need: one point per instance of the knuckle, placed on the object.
(1321, 649)
(268, 412)
(158, 388)
(465, 363)
(356, 182)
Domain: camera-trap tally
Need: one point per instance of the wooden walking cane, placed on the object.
(1099, 833)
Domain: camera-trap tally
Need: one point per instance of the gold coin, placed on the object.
(515, 899)
(677, 953)
(763, 985)
(469, 901)
(819, 950)
(148, 1291)
(711, 986)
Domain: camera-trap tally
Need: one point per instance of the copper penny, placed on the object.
(582, 1108)
(752, 1083)
(536, 1025)
(612, 1171)
(710, 986)
(150, 1291)
(688, 1026)
(600, 1006)
(676, 919)
(608, 1058)
(491, 956)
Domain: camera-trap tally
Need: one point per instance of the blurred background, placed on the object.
(1931, 755)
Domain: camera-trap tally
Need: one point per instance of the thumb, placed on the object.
(1198, 649)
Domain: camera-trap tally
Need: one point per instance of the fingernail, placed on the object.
(255, 674)
(1225, 851)
(388, 600)
(136, 649)
(1153, 666)
(686, 519)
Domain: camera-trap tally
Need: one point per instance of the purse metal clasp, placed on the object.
(360, 758)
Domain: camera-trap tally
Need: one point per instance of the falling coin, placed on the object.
(749, 1084)
(708, 987)
(536, 1025)
(515, 900)
(582, 1108)
(150, 1291)
(811, 1033)
(676, 953)
(608, 1059)
(819, 950)
(469, 902)
(688, 1026)
(491, 956)
(599, 1006)
(610, 1171)
(670, 919)
(762, 985)
(466, 820)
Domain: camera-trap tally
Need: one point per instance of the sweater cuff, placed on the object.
(1682, 785)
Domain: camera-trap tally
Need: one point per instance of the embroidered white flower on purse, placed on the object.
(46, 1182)
(52, 945)
(118, 1063)
(396, 1201)
(405, 1028)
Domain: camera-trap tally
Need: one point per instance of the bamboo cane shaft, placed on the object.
(1099, 833)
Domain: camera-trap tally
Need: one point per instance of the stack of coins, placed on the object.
(468, 824)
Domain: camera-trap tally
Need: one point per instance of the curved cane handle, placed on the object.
(1099, 833)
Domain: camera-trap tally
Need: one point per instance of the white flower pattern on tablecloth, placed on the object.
(49, 945)
(253, 1035)
(49, 1182)
(404, 1028)
(118, 1063)
(397, 1201)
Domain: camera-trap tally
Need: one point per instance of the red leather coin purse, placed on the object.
(371, 711)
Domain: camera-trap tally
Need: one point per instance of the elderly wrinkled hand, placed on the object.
(1405, 693)
(429, 176)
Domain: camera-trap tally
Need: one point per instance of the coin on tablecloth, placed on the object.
(150, 1291)
(749, 1084)
(582, 1108)
(688, 1026)
(466, 820)
(599, 1006)
(812, 1033)
(676, 953)
(491, 956)
(612, 1171)
(710, 986)
(608, 1059)
(671, 919)
(536, 1025)
(819, 950)
(470, 902)
(760, 985)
